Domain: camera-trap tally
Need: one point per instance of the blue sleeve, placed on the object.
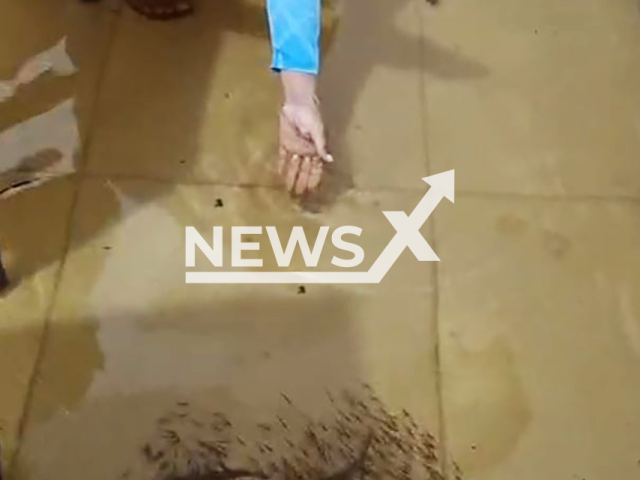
(295, 35)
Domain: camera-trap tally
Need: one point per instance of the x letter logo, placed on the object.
(408, 228)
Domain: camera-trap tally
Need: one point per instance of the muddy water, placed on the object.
(215, 434)
(129, 358)
(127, 341)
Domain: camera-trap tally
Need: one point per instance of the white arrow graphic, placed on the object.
(407, 236)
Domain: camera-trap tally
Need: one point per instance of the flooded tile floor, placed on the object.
(515, 357)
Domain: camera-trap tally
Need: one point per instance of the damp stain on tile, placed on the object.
(556, 244)
(30, 172)
(489, 406)
(511, 225)
(65, 378)
(40, 148)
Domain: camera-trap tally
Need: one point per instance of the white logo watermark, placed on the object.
(407, 236)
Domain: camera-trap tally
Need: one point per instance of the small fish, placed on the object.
(330, 396)
(150, 455)
(283, 423)
(171, 435)
(264, 426)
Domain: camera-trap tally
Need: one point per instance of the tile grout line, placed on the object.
(230, 184)
(460, 193)
(434, 270)
(435, 311)
(547, 197)
(77, 185)
(91, 122)
(28, 398)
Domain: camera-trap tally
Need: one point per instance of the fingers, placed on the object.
(300, 174)
(315, 175)
(320, 141)
(303, 176)
(292, 172)
(303, 151)
(282, 161)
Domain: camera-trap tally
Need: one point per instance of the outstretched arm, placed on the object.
(295, 41)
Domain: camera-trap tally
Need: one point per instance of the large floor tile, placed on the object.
(129, 337)
(540, 337)
(557, 110)
(33, 233)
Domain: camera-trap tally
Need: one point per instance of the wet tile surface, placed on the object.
(128, 334)
(535, 307)
(553, 108)
(32, 246)
(204, 106)
(539, 337)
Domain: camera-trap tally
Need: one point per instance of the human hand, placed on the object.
(302, 139)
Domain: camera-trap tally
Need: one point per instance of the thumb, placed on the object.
(319, 140)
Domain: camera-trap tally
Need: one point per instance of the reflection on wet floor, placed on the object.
(516, 356)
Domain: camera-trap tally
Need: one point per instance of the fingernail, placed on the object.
(328, 158)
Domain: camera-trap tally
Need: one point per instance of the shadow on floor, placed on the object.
(368, 38)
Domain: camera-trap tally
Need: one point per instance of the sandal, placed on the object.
(162, 9)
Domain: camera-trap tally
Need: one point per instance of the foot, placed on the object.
(4, 283)
(162, 9)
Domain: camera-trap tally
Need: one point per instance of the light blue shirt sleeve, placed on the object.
(295, 35)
